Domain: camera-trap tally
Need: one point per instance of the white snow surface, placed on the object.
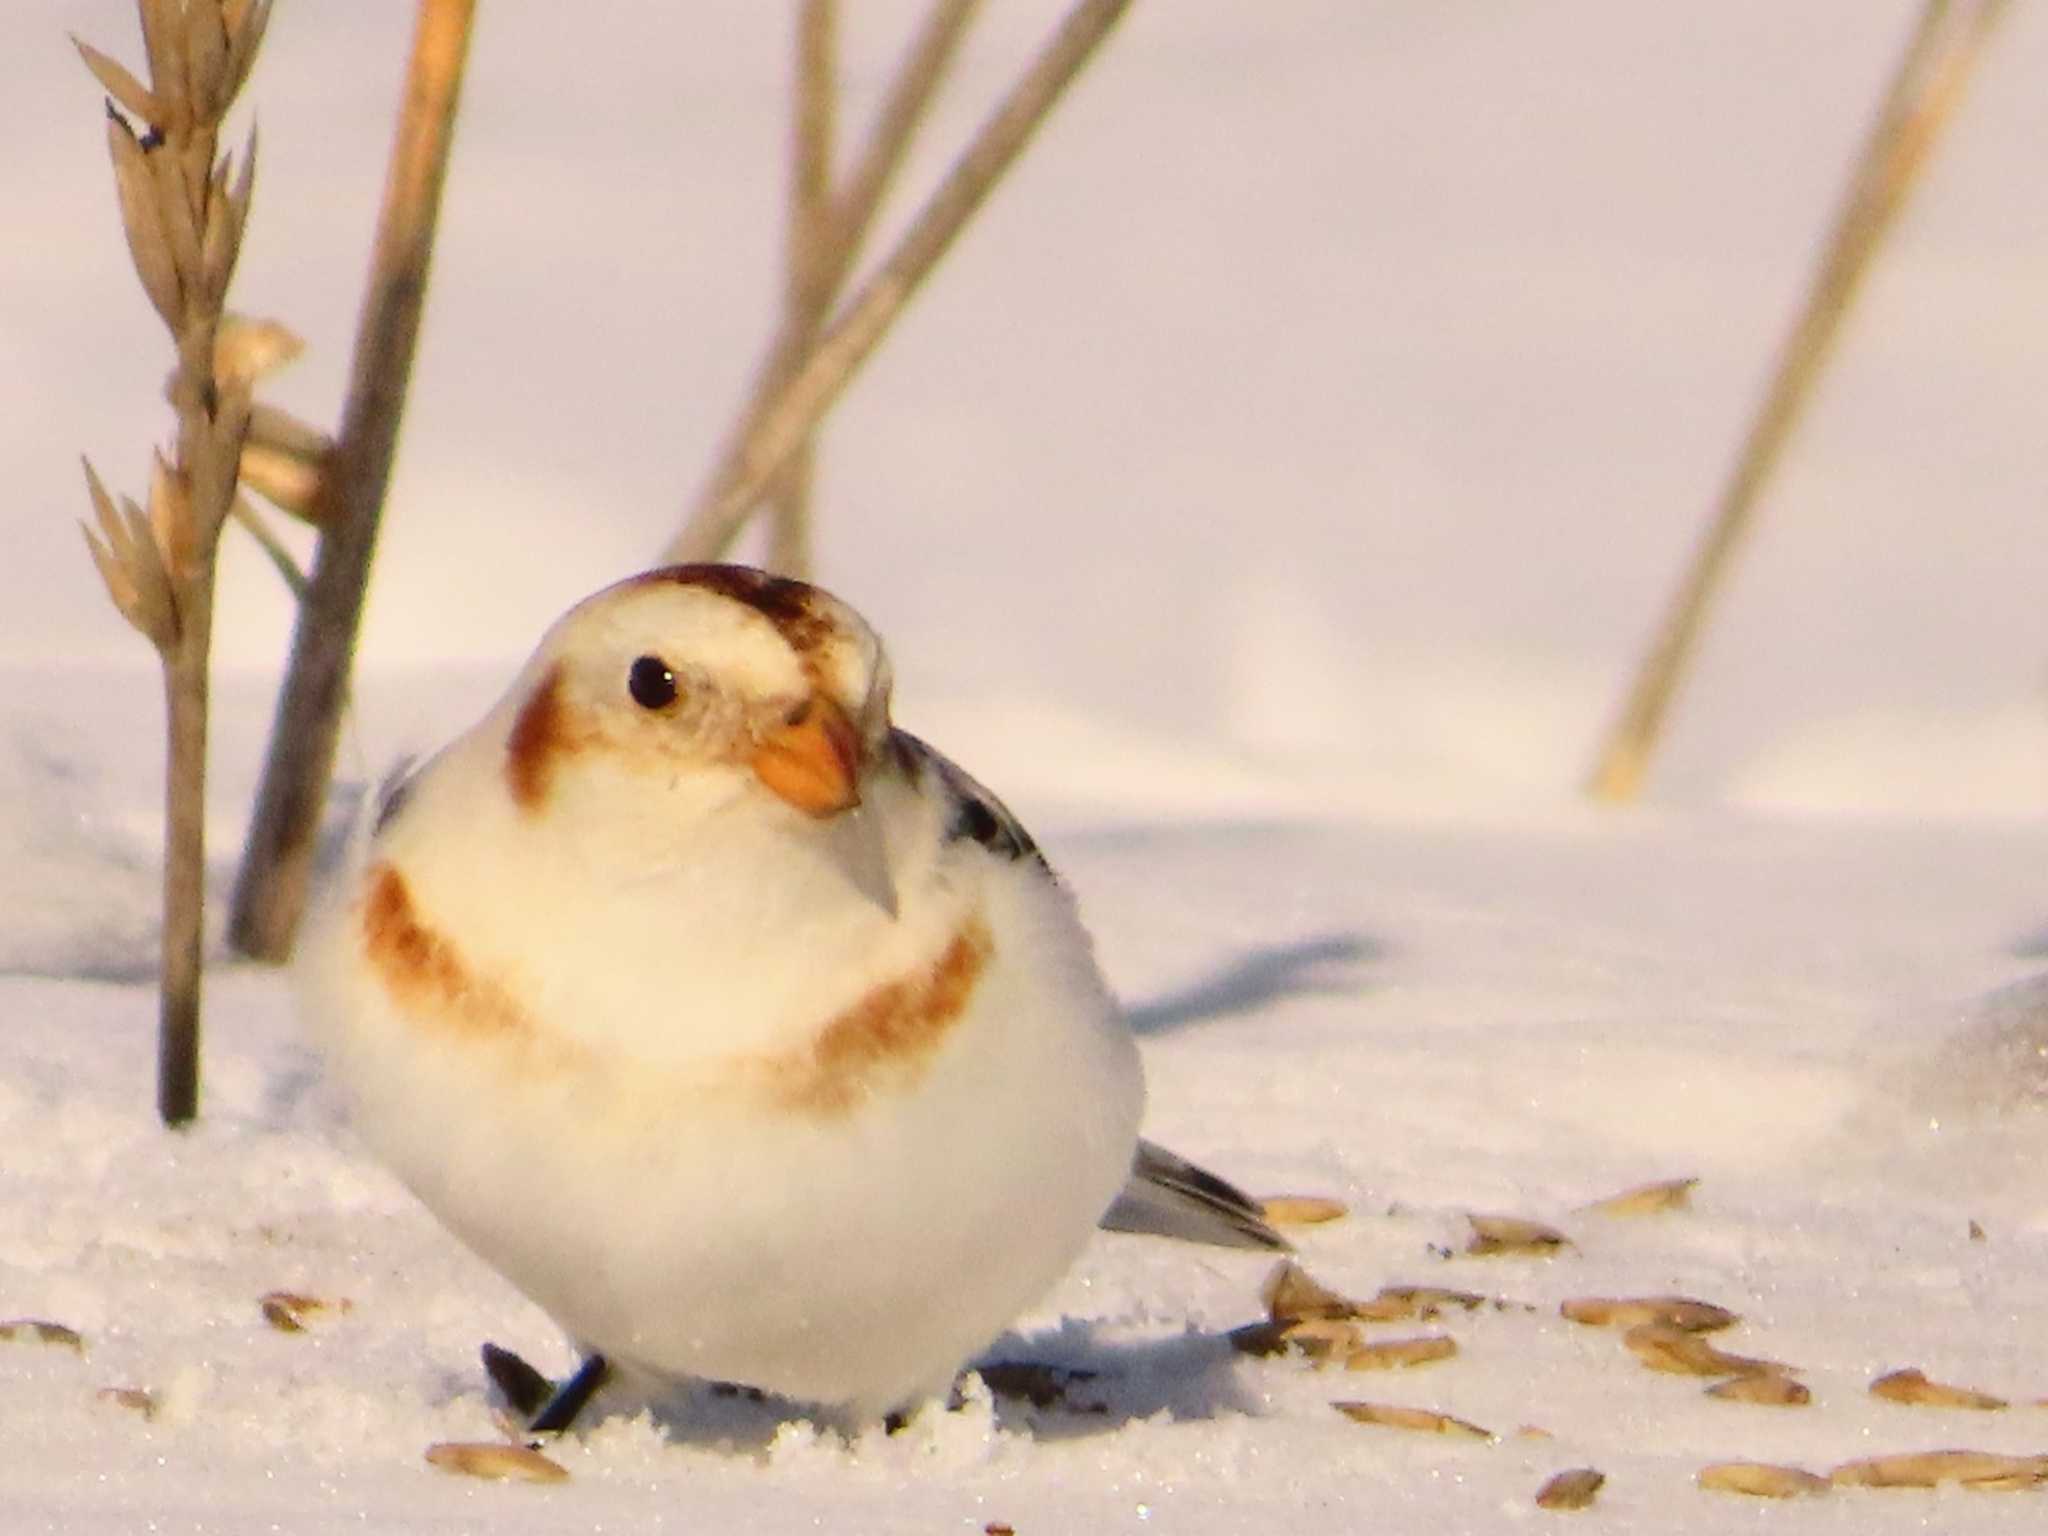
(1266, 498)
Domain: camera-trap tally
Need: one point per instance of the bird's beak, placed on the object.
(813, 762)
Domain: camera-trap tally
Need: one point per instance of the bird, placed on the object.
(744, 1032)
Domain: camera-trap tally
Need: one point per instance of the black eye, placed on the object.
(651, 683)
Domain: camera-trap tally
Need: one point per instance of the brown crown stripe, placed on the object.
(791, 606)
(896, 1026)
(422, 968)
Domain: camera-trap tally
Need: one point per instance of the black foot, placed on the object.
(570, 1397)
(524, 1389)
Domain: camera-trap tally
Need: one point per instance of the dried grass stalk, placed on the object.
(277, 862)
(751, 465)
(183, 210)
(1922, 97)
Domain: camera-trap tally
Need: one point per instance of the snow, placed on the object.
(1264, 500)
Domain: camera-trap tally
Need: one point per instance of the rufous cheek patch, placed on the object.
(893, 1031)
(541, 737)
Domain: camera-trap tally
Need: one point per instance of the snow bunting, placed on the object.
(742, 1031)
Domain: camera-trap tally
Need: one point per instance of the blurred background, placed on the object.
(1318, 418)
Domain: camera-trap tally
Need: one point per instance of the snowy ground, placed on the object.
(1264, 501)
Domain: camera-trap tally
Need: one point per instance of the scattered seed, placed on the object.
(1648, 1199)
(1302, 1210)
(1320, 1339)
(1768, 1389)
(1533, 1432)
(1574, 1489)
(1400, 1354)
(1511, 1235)
(33, 1330)
(999, 1528)
(1687, 1354)
(1912, 1386)
(1423, 1419)
(1761, 1479)
(1925, 1469)
(1423, 1302)
(1976, 1232)
(1680, 1312)
(490, 1459)
(1291, 1293)
(134, 1399)
(289, 1311)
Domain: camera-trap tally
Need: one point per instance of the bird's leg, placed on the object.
(571, 1396)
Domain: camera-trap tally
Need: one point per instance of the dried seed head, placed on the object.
(206, 59)
(490, 1459)
(247, 348)
(1302, 1210)
(1423, 1420)
(115, 80)
(1513, 1234)
(1912, 1386)
(1767, 1389)
(1629, 1312)
(1926, 1469)
(1761, 1479)
(1687, 1354)
(149, 247)
(130, 564)
(1573, 1489)
(1648, 1199)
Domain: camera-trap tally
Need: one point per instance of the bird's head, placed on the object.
(715, 672)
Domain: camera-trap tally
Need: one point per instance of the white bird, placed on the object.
(744, 1033)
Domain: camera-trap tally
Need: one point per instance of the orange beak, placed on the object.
(813, 762)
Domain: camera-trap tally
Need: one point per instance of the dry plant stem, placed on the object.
(796, 411)
(809, 260)
(1922, 98)
(271, 888)
(911, 90)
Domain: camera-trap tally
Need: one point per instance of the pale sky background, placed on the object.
(1337, 385)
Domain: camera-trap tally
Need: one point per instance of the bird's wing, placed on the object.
(974, 814)
(1168, 1196)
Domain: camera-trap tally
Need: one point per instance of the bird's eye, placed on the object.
(651, 683)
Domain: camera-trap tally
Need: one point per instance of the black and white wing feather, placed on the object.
(974, 814)
(1168, 1196)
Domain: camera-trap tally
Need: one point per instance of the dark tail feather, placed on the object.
(1168, 1196)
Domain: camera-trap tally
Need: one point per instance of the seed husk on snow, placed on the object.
(1423, 1420)
(289, 1311)
(1687, 1354)
(1681, 1312)
(1302, 1210)
(496, 1460)
(1761, 1479)
(1400, 1354)
(1912, 1386)
(1647, 1199)
(134, 1399)
(1291, 1293)
(1984, 1470)
(1426, 1301)
(1493, 1235)
(1767, 1389)
(1571, 1489)
(1319, 1339)
(35, 1330)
